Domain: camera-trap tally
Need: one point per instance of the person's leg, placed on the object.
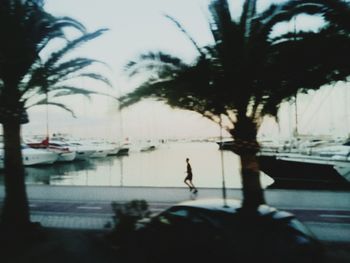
(193, 187)
(186, 181)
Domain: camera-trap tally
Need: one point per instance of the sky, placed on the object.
(136, 26)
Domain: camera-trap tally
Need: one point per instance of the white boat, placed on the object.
(33, 156)
(100, 152)
(123, 150)
(332, 151)
(119, 149)
(83, 152)
(60, 141)
(147, 146)
(64, 151)
(101, 149)
(114, 148)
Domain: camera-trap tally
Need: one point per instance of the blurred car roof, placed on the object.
(232, 206)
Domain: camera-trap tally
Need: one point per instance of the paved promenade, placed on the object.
(89, 207)
(275, 197)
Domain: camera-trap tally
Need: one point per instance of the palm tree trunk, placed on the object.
(15, 211)
(253, 194)
(246, 146)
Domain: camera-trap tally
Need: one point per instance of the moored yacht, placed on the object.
(65, 151)
(225, 145)
(62, 149)
(119, 149)
(123, 150)
(83, 152)
(32, 156)
(325, 166)
(100, 147)
(148, 145)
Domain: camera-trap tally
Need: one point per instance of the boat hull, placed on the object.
(123, 151)
(120, 152)
(66, 156)
(33, 157)
(225, 145)
(100, 153)
(83, 155)
(293, 173)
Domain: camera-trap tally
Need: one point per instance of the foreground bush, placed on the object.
(125, 217)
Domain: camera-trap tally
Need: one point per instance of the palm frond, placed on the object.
(46, 77)
(221, 20)
(65, 90)
(181, 28)
(66, 70)
(150, 89)
(248, 14)
(64, 22)
(95, 76)
(153, 62)
(72, 45)
(51, 103)
(336, 12)
(51, 28)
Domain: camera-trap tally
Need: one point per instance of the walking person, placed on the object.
(188, 179)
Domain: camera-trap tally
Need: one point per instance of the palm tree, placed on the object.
(307, 60)
(26, 79)
(241, 77)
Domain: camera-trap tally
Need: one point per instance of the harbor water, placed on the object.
(163, 167)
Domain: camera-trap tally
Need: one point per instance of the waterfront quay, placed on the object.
(326, 213)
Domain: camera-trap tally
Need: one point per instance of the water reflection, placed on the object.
(52, 174)
(164, 166)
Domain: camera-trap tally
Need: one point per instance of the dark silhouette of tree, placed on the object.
(28, 79)
(242, 76)
(307, 60)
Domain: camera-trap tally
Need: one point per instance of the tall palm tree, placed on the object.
(26, 79)
(237, 78)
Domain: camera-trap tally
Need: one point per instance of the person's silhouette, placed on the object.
(188, 179)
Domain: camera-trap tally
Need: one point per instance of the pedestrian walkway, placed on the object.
(287, 199)
(275, 197)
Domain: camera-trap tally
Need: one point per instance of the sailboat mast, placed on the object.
(296, 132)
(121, 122)
(47, 116)
(347, 132)
(222, 166)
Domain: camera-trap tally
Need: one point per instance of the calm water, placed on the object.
(164, 166)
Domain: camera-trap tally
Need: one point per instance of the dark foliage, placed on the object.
(125, 217)
(28, 79)
(245, 74)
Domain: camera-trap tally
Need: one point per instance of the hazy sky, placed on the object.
(136, 26)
